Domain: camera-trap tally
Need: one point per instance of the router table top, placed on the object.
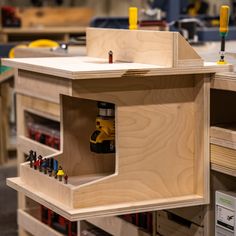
(89, 68)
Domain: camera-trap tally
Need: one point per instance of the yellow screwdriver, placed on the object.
(224, 22)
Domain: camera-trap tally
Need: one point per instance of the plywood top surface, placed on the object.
(88, 67)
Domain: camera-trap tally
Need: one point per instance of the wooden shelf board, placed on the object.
(29, 221)
(223, 169)
(73, 214)
(25, 144)
(224, 135)
(224, 81)
(89, 67)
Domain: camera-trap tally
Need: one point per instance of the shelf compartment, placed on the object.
(169, 224)
(117, 226)
(43, 130)
(25, 144)
(29, 220)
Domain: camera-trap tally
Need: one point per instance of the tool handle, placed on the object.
(224, 20)
(133, 18)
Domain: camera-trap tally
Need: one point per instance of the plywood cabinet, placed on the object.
(161, 125)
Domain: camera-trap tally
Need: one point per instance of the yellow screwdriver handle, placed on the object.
(224, 19)
(133, 18)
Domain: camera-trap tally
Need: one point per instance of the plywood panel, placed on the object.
(151, 47)
(45, 88)
(141, 137)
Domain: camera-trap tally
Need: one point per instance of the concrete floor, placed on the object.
(8, 201)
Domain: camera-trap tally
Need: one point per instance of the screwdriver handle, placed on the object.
(133, 18)
(224, 20)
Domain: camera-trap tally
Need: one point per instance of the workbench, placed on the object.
(33, 33)
(162, 123)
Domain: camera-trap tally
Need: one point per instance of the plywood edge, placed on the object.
(95, 68)
(33, 225)
(223, 143)
(223, 156)
(110, 210)
(223, 137)
(223, 169)
(17, 184)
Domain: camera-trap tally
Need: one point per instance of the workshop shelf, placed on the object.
(223, 124)
(30, 220)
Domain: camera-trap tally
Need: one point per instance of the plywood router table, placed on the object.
(160, 87)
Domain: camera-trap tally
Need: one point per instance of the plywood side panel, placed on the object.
(186, 52)
(202, 122)
(135, 90)
(149, 47)
(155, 124)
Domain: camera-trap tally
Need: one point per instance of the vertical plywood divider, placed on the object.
(150, 47)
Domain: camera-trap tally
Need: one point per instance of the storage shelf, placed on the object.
(25, 144)
(117, 226)
(223, 148)
(223, 169)
(224, 81)
(29, 220)
(224, 135)
(93, 212)
(223, 159)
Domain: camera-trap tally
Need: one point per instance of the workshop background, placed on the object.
(197, 20)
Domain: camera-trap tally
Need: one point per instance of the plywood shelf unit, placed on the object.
(161, 96)
(223, 123)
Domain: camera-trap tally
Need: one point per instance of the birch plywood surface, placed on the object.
(132, 46)
(153, 47)
(89, 68)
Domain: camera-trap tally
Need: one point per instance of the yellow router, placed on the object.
(224, 22)
(133, 18)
